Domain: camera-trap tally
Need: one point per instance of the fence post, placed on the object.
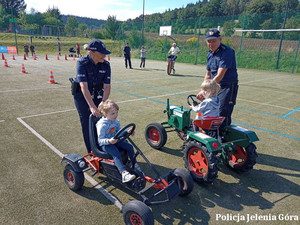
(282, 34)
(241, 42)
(295, 60)
(197, 50)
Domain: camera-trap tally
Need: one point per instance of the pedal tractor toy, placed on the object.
(205, 149)
(161, 189)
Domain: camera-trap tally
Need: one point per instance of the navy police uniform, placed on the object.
(224, 57)
(95, 76)
(127, 56)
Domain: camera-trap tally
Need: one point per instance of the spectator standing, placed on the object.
(32, 50)
(143, 56)
(127, 55)
(26, 49)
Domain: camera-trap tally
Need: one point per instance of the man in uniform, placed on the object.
(127, 55)
(221, 66)
(93, 81)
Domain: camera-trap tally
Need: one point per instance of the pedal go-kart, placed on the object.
(161, 189)
(205, 149)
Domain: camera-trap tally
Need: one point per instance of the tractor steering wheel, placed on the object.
(191, 98)
(123, 133)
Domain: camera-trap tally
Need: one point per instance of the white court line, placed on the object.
(95, 184)
(260, 103)
(1, 121)
(31, 89)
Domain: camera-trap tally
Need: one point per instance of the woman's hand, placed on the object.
(95, 111)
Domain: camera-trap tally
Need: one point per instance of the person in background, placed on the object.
(32, 49)
(174, 52)
(93, 85)
(78, 49)
(221, 67)
(127, 55)
(143, 57)
(26, 49)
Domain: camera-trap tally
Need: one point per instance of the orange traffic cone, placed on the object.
(46, 57)
(3, 57)
(66, 58)
(73, 57)
(57, 57)
(23, 68)
(5, 63)
(25, 57)
(14, 57)
(34, 57)
(51, 78)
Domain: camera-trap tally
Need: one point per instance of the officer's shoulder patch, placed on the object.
(83, 60)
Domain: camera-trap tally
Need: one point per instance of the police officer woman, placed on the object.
(93, 81)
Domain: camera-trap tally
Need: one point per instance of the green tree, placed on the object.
(228, 28)
(71, 26)
(82, 29)
(4, 18)
(112, 27)
(16, 5)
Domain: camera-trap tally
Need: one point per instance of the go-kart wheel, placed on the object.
(125, 132)
(191, 100)
(156, 135)
(243, 159)
(186, 181)
(201, 164)
(73, 179)
(136, 212)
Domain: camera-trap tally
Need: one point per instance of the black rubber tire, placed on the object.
(206, 171)
(73, 179)
(186, 181)
(136, 212)
(156, 135)
(247, 155)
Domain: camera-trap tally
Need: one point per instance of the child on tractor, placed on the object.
(107, 128)
(210, 105)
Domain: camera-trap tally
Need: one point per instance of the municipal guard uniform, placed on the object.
(224, 57)
(95, 76)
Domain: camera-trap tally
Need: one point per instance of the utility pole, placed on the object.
(13, 23)
(143, 22)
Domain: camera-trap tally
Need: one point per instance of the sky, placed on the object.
(101, 9)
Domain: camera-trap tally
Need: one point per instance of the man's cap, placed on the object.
(98, 46)
(212, 34)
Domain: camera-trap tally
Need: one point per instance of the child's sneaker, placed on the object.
(126, 176)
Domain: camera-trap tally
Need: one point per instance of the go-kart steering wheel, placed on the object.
(123, 133)
(191, 98)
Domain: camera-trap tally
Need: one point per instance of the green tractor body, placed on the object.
(202, 152)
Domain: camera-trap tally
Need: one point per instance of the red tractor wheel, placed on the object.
(201, 164)
(156, 135)
(243, 159)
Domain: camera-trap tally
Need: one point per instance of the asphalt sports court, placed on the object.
(39, 124)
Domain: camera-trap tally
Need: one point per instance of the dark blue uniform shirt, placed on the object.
(127, 50)
(94, 75)
(223, 57)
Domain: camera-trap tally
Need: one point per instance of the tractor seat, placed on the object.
(96, 149)
(209, 123)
